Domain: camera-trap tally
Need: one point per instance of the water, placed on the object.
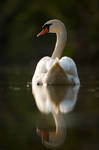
(58, 117)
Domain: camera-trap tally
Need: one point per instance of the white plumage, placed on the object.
(53, 70)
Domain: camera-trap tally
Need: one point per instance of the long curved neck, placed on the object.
(60, 43)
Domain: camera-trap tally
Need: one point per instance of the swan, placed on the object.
(55, 70)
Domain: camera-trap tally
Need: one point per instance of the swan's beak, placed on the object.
(44, 31)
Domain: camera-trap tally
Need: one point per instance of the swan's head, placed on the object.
(52, 26)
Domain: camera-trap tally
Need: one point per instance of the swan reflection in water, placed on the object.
(57, 100)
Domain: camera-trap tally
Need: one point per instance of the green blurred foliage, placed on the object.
(21, 20)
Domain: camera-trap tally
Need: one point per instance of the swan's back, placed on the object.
(52, 72)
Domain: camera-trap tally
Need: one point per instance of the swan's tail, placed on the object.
(56, 75)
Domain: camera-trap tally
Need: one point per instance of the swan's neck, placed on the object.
(60, 44)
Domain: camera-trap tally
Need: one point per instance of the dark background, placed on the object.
(21, 20)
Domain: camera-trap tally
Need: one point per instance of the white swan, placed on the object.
(53, 70)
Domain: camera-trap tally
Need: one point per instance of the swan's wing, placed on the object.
(44, 64)
(68, 65)
(70, 69)
(56, 75)
(42, 68)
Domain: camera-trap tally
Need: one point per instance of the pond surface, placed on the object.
(55, 117)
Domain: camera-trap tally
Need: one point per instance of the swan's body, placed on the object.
(53, 70)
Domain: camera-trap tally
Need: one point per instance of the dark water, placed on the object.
(59, 117)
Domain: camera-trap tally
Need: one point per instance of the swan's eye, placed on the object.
(46, 26)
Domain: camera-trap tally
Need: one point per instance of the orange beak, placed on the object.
(44, 31)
